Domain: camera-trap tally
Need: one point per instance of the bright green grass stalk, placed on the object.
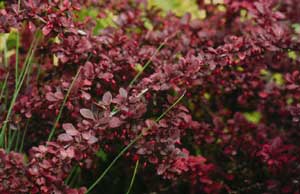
(28, 58)
(130, 144)
(17, 48)
(18, 88)
(17, 58)
(147, 64)
(4, 86)
(63, 105)
(133, 176)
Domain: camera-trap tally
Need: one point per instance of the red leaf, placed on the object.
(70, 129)
(51, 97)
(87, 113)
(92, 140)
(107, 98)
(64, 137)
(263, 94)
(115, 122)
(47, 29)
(161, 169)
(59, 95)
(123, 92)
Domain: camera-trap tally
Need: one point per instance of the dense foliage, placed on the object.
(82, 79)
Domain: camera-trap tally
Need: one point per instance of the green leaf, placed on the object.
(138, 67)
(296, 27)
(292, 55)
(253, 117)
(206, 96)
(101, 23)
(102, 155)
(278, 79)
(179, 7)
(2, 6)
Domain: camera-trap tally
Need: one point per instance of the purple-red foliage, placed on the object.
(227, 64)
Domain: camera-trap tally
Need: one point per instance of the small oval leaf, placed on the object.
(107, 98)
(70, 129)
(64, 137)
(87, 113)
(123, 92)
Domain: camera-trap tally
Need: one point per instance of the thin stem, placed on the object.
(18, 139)
(171, 107)
(23, 137)
(75, 177)
(147, 63)
(11, 140)
(4, 85)
(63, 105)
(130, 144)
(28, 74)
(113, 162)
(133, 177)
(5, 54)
(19, 5)
(17, 58)
(71, 175)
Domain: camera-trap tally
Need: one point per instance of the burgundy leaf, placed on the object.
(64, 137)
(51, 97)
(87, 113)
(92, 140)
(107, 98)
(115, 122)
(70, 129)
(123, 92)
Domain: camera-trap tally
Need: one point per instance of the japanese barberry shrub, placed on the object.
(206, 101)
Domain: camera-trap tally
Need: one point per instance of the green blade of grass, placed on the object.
(23, 137)
(5, 60)
(63, 105)
(170, 107)
(146, 64)
(16, 92)
(133, 177)
(129, 145)
(28, 58)
(75, 177)
(4, 86)
(17, 59)
(17, 140)
(19, 5)
(67, 181)
(11, 140)
(113, 162)
(28, 74)
(17, 48)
